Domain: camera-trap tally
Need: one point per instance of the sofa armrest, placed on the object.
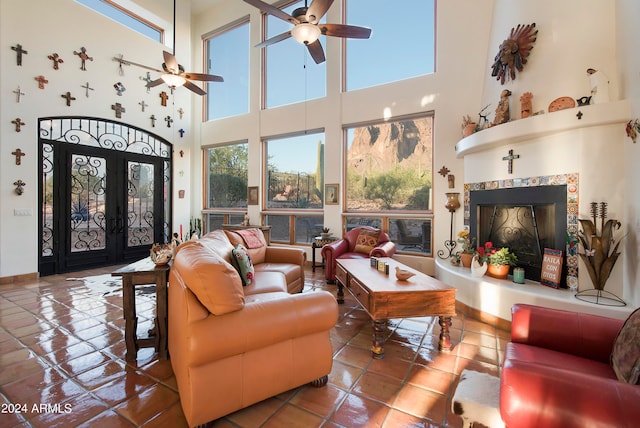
(534, 395)
(585, 335)
(296, 256)
(265, 319)
(386, 249)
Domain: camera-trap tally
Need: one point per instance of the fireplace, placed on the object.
(525, 219)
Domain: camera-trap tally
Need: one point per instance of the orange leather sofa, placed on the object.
(232, 346)
(557, 372)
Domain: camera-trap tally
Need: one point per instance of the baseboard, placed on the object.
(483, 316)
(18, 278)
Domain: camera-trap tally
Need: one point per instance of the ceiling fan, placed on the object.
(306, 28)
(173, 74)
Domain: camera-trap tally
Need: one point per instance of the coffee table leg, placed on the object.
(130, 318)
(377, 346)
(444, 344)
(340, 295)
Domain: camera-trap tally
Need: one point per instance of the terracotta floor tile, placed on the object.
(21, 389)
(397, 418)
(83, 363)
(388, 366)
(257, 414)
(343, 375)
(98, 376)
(129, 384)
(430, 378)
(72, 413)
(320, 401)
(354, 356)
(21, 369)
(70, 353)
(377, 387)
(172, 417)
(109, 419)
(294, 417)
(153, 400)
(358, 411)
(422, 403)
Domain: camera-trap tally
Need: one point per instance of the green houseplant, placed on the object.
(500, 260)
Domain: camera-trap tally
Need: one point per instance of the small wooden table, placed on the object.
(384, 297)
(140, 273)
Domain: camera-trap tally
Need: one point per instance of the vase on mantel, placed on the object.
(498, 271)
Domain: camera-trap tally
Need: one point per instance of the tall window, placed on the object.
(125, 17)
(291, 74)
(294, 186)
(227, 52)
(401, 46)
(227, 176)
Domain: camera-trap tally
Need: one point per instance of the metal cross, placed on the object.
(18, 123)
(181, 132)
(83, 57)
(147, 80)
(180, 112)
(87, 88)
(41, 81)
(510, 158)
(19, 52)
(169, 121)
(18, 93)
(164, 97)
(143, 104)
(18, 154)
(56, 60)
(68, 97)
(119, 88)
(153, 121)
(119, 109)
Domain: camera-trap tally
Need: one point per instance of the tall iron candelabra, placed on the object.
(453, 203)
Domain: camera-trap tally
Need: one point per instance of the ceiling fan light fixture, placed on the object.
(173, 80)
(306, 33)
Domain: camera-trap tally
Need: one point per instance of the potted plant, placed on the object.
(468, 126)
(325, 233)
(468, 247)
(500, 260)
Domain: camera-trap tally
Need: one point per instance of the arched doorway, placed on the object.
(105, 193)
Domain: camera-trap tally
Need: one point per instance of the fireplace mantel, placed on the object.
(545, 124)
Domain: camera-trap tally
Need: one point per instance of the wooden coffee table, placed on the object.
(384, 297)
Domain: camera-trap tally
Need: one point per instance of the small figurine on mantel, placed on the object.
(502, 111)
(599, 86)
(525, 105)
(246, 220)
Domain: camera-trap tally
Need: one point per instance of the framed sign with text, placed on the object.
(551, 273)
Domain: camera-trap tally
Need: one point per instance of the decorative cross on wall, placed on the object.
(180, 112)
(181, 132)
(169, 121)
(56, 60)
(87, 88)
(18, 154)
(18, 93)
(118, 109)
(153, 121)
(147, 79)
(510, 158)
(164, 97)
(83, 58)
(68, 97)
(143, 104)
(19, 52)
(41, 81)
(18, 123)
(119, 88)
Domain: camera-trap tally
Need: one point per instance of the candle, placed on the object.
(518, 275)
(181, 231)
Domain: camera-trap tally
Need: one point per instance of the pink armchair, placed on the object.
(346, 249)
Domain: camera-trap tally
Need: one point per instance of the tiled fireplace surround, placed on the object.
(556, 149)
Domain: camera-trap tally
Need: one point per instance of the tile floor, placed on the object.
(62, 364)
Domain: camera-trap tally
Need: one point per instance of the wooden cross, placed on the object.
(164, 97)
(180, 112)
(19, 52)
(87, 88)
(153, 121)
(68, 97)
(83, 57)
(147, 80)
(41, 81)
(119, 109)
(18, 123)
(510, 158)
(18, 93)
(119, 88)
(143, 104)
(18, 154)
(444, 171)
(169, 121)
(181, 132)
(56, 60)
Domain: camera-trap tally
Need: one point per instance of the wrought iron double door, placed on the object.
(107, 208)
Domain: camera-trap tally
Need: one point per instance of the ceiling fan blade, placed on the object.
(272, 10)
(170, 62)
(203, 77)
(316, 51)
(274, 39)
(155, 83)
(127, 62)
(317, 9)
(350, 31)
(194, 88)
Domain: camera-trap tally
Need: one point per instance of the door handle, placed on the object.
(119, 220)
(112, 225)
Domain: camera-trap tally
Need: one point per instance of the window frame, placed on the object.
(206, 179)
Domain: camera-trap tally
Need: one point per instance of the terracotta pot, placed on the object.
(498, 271)
(468, 129)
(466, 259)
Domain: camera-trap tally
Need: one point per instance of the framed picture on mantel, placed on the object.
(551, 273)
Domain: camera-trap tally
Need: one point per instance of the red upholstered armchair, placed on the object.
(557, 370)
(346, 249)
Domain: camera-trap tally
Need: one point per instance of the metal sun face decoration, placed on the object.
(513, 52)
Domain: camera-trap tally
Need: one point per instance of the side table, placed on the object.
(140, 273)
(319, 242)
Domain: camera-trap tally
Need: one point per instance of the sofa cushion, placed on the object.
(215, 282)
(257, 254)
(625, 356)
(243, 264)
(218, 242)
(366, 241)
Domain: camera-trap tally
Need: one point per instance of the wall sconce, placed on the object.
(453, 203)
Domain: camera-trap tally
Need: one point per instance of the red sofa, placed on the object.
(557, 372)
(345, 248)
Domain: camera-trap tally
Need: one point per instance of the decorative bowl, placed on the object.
(160, 254)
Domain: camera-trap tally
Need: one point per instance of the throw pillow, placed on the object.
(366, 241)
(625, 356)
(243, 263)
